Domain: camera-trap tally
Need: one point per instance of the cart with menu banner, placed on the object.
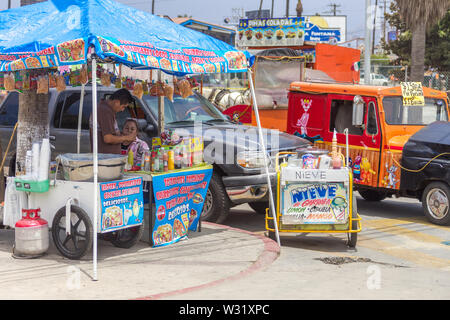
(314, 199)
(175, 203)
(29, 59)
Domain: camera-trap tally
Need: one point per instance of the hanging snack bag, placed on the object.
(60, 83)
(10, 82)
(42, 85)
(168, 92)
(51, 80)
(138, 90)
(105, 79)
(26, 82)
(185, 88)
(84, 78)
(145, 88)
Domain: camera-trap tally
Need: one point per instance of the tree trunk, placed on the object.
(33, 124)
(418, 53)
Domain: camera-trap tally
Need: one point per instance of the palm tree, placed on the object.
(418, 16)
(299, 8)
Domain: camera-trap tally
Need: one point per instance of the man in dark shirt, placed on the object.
(109, 136)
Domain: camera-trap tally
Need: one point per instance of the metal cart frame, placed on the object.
(354, 223)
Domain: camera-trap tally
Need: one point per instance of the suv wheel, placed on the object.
(436, 203)
(259, 207)
(217, 204)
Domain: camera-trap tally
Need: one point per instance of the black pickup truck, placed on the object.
(238, 173)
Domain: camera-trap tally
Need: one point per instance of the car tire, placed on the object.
(372, 195)
(217, 204)
(259, 207)
(126, 238)
(436, 203)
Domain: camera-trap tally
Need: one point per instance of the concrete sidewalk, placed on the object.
(214, 256)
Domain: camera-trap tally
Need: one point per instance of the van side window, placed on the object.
(10, 110)
(372, 126)
(341, 117)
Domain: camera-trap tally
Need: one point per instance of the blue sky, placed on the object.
(215, 11)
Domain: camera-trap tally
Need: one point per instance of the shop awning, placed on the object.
(42, 36)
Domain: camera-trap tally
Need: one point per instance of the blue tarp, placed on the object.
(44, 35)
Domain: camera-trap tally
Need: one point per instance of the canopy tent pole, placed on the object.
(160, 107)
(95, 159)
(80, 117)
(261, 138)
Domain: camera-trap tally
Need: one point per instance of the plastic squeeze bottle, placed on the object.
(171, 163)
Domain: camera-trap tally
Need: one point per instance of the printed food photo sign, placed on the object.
(122, 204)
(179, 199)
(314, 203)
(271, 32)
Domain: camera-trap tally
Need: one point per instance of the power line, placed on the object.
(334, 9)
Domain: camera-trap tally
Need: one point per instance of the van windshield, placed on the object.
(188, 110)
(398, 114)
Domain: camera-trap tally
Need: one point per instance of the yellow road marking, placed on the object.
(403, 253)
(394, 226)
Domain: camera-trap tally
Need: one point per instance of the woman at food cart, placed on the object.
(137, 146)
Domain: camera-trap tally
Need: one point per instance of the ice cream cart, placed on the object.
(314, 199)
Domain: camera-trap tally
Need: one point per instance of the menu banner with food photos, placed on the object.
(271, 32)
(122, 204)
(179, 199)
(137, 54)
(66, 53)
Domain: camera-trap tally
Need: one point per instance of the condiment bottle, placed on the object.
(130, 160)
(147, 161)
(171, 163)
(156, 162)
(161, 160)
(166, 160)
(177, 158)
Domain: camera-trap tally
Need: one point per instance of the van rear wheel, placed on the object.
(372, 195)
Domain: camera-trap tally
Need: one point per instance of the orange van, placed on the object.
(378, 126)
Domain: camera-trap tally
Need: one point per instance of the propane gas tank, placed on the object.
(31, 234)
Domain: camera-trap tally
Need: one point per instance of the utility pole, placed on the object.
(271, 12)
(9, 4)
(153, 6)
(367, 46)
(260, 7)
(334, 9)
(374, 26)
(287, 8)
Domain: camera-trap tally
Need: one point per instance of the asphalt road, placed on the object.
(399, 255)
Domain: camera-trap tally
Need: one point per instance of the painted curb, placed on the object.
(270, 253)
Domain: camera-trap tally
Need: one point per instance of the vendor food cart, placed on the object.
(314, 195)
(103, 33)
